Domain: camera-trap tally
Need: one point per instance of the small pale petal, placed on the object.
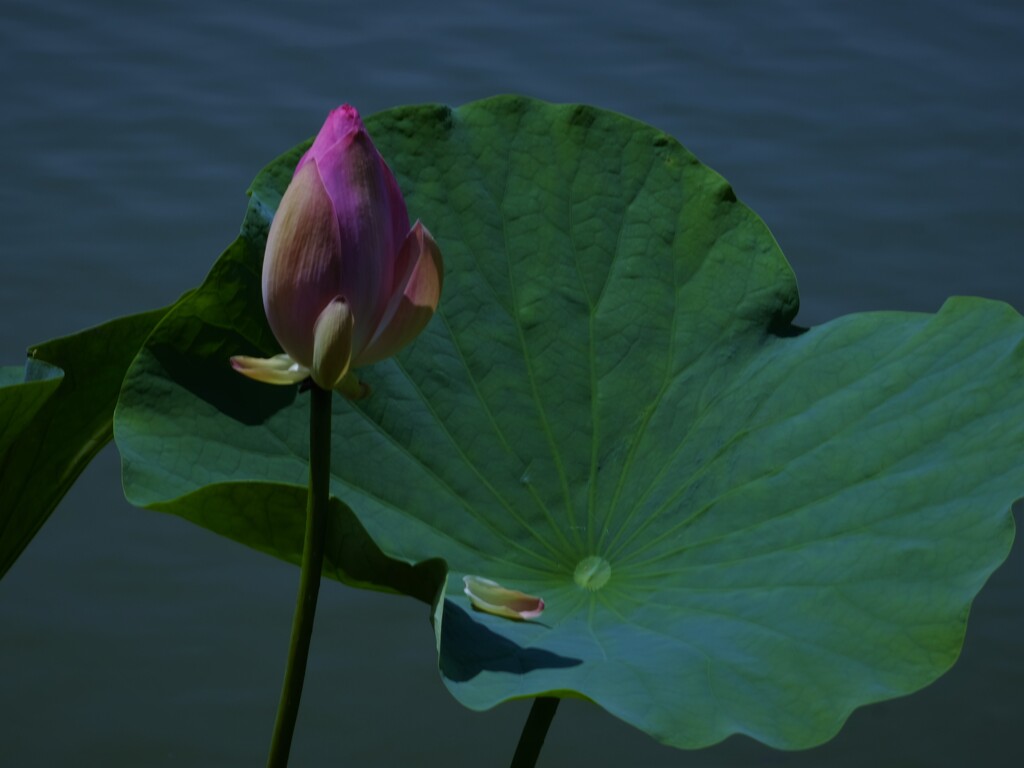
(490, 597)
(352, 388)
(279, 369)
(416, 293)
(332, 344)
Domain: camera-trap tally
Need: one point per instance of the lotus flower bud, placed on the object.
(346, 281)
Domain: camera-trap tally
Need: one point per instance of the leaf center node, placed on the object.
(592, 572)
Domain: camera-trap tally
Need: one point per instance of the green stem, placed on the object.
(309, 580)
(536, 728)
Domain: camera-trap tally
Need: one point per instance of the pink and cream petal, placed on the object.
(280, 369)
(362, 191)
(300, 267)
(490, 597)
(414, 299)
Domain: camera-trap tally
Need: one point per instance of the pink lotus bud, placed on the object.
(341, 256)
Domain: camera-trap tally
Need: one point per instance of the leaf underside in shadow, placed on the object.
(55, 416)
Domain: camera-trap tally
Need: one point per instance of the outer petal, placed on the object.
(490, 597)
(414, 300)
(372, 222)
(301, 272)
(279, 369)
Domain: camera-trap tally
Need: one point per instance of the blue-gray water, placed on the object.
(883, 143)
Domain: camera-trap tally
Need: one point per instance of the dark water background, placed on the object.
(883, 143)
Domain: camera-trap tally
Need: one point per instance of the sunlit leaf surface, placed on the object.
(735, 526)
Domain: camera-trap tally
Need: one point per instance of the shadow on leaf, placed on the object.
(209, 376)
(469, 648)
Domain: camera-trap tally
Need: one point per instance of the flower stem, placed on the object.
(309, 579)
(532, 738)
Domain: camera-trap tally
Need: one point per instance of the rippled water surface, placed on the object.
(883, 143)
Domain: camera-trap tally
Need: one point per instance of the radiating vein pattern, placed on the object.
(736, 526)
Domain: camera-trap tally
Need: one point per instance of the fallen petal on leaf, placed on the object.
(490, 597)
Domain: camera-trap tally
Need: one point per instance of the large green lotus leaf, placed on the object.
(55, 416)
(788, 524)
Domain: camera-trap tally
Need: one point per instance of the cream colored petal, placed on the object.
(352, 388)
(279, 369)
(332, 344)
(490, 597)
